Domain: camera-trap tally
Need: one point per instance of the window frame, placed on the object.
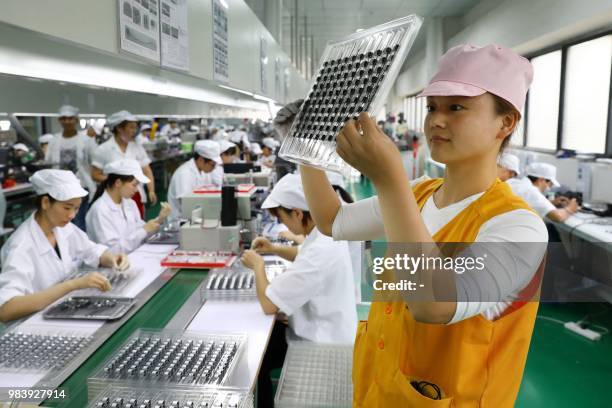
(563, 47)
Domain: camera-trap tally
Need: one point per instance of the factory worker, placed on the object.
(267, 157)
(228, 151)
(540, 177)
(170, 129)
(113, 218)
(315, 291)
(470, 347)
(255, 152)
(241, 138)
(200, 170)
(145, 134)
(20, 149)
(508, 166)
(47, 248)
(44, 141)
(122, 146)
(72, 150)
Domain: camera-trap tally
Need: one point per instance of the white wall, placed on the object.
(84, 32)
(523, 25)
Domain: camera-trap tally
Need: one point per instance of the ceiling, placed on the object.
(332, 19)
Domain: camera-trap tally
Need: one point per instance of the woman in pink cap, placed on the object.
(465, 346)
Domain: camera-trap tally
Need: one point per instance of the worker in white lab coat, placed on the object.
(44, 142)
(315, 292)
(540, 177)
(268, 158)
(113, 219)
(202, 169)
(47, 248)
(123, 146)
(508, 167)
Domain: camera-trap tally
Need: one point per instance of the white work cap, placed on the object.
(225, 145)
(510, 162)
(145, 126)
(256, 148)
(544, 170)
(21, 146)
(118, 118)
(46, 138)
(269, 142)
(287, 193)
(62, 185)
(68, 111)
(208, 149)
(236, 137)
(126, 167)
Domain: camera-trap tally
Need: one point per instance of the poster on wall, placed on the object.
(174, 34)
(139, 28)
(220, 42)
(263, 63)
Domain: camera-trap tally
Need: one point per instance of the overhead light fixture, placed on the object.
(5, 124)
(224, 3)
(236, 90)
(358, 30)
(263, 98)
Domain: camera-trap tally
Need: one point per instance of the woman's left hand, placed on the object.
(252, 260)
(373, 153)
(121, 262)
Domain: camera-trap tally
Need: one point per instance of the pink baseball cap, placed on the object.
(466, 70)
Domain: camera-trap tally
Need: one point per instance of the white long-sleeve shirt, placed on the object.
(362, 220)
(117, 226)
(30, 264)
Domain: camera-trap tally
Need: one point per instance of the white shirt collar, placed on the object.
(40, 240)
(107, 200)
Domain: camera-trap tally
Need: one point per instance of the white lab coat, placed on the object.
(30, 264)
(266, 161)
(118, 226)
(185, 179)
(525, 189)
(85, 148)
(317, 291)
(110, 151)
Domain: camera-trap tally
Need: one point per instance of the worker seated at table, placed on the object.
(113, 218)
(541, 177)
(47, 248)
(268, 158)
(203, 169)
(316, 291)
(508, 167)
(229, 151)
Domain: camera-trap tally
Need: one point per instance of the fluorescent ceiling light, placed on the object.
(5, 124)
(263, 98)
(224, 3)
(236, 90)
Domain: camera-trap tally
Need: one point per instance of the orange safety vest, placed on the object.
(475, 362)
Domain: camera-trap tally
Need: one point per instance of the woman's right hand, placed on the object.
(152, 226)
(261, 245)
(92, 280)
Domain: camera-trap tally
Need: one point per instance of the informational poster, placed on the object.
(263, 60)
(220, 42)
(139, 28)
(174, 34)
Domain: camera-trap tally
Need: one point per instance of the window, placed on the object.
(518, 137)
(543, 109)
(587, 92)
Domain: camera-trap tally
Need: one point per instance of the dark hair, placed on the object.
(110, 180)
(344, 195)
(503, 107)
(40, 198)
(307, 216)
(231, 151)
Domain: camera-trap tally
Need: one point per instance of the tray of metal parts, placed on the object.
(316, 375)
(210, 397)
(168, 357)
(165, 238)
(90, 308)
(355, 75)
(39, 352)
(238, 282)
(198, 260)
(119, 280)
